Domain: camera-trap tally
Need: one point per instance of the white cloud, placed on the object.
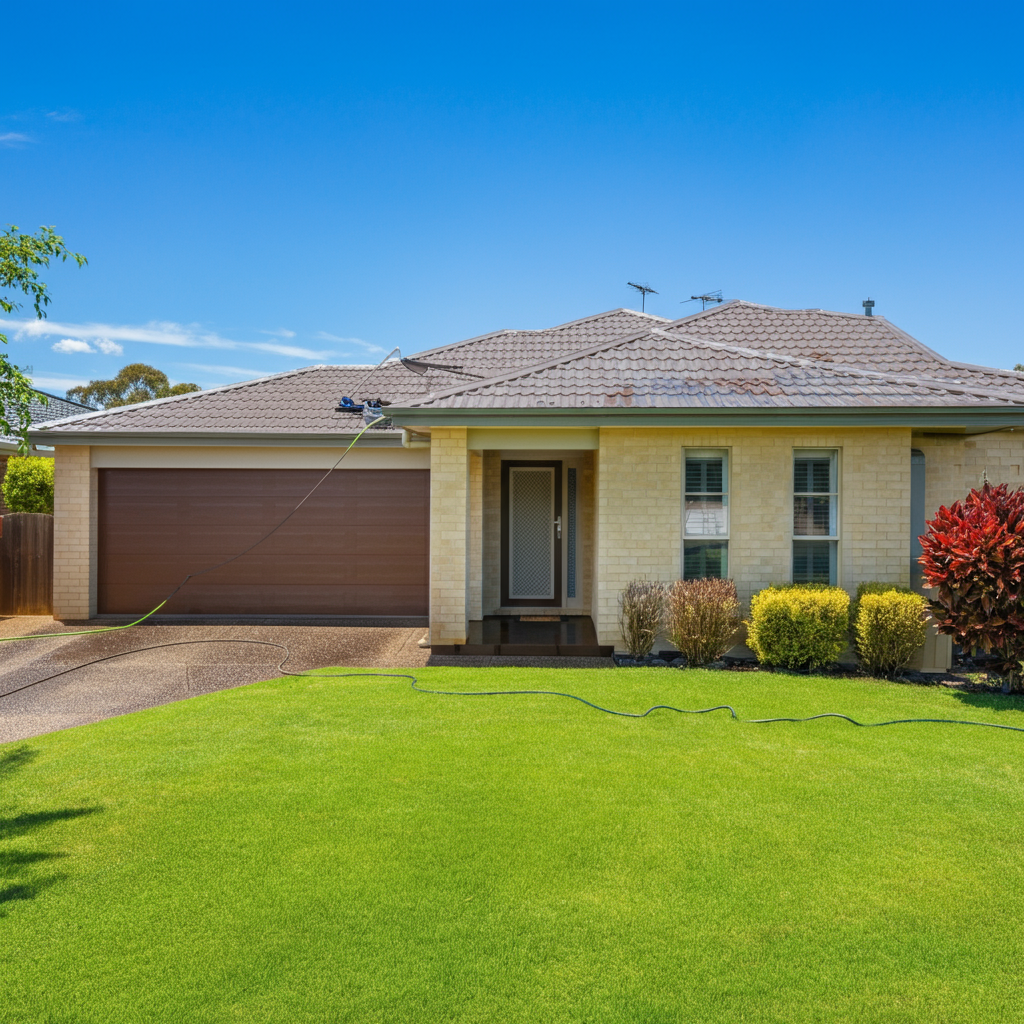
(71, 345)
(235, 372)
(282, 333)
(63, 115)
(368, 345)
(156, 333)
(13, 140)
(57, 385)
(109, 348)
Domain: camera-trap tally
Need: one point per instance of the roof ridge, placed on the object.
(456, 345)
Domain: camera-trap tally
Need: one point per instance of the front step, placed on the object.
(526, 650)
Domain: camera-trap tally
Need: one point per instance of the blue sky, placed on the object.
(264, 186)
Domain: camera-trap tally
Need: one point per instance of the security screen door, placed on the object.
(532, 533)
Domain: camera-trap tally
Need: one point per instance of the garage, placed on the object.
(358, 546)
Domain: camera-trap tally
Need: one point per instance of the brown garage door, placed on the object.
(358, 546)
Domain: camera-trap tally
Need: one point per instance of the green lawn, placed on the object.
(351, 850)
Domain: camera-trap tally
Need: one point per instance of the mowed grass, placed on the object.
(351, 850)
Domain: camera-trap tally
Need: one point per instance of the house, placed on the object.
(536, 472)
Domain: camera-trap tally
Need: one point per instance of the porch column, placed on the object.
(475, 597)
(74, 533)
(449, 536)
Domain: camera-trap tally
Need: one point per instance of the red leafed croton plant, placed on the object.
(974, 555)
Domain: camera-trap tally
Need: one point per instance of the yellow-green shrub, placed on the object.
(28, 484)
(890, 627)
(870, 587)
(798, 627)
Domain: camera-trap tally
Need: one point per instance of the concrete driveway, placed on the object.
(148, 678)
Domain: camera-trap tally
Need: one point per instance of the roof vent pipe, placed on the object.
(869, 305)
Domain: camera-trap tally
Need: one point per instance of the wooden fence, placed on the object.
(26, 564)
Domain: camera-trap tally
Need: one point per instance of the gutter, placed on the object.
(239, 438)
(411, 440)
(948, 418)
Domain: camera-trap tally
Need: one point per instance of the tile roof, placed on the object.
(737, 354)
(658, 369)
(509, 350)
(298, 402)
(55, 408)
(852, 339)
(303, 401)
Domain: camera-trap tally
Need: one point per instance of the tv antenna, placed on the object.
(705, 299)
(644, 290)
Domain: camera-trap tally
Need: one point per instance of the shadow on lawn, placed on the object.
(990, 701)
(20, 878)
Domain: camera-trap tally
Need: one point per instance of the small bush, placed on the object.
(28, 484)
(890, 628)
(641, 612)
(703, 616)
(799, 627)
(872, 587)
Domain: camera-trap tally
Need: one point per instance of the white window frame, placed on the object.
(835, 537)
(725, 454)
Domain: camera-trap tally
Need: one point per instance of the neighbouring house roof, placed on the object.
(43, 408)
(739, 355)
(660, 369)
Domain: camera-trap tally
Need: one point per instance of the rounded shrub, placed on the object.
(871, 587)
(702, 616)
(799, 627)
(28, 484)
(890, 628)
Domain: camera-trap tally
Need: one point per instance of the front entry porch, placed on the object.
(530, 636)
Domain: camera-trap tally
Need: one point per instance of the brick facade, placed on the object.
(449, 536)
(639, 506)
(74, 533)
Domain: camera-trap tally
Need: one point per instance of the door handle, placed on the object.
(558, 526)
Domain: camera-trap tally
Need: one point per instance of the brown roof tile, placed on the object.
(851, 339)
(659, 369)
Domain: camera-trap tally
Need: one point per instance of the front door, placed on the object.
(531, 529)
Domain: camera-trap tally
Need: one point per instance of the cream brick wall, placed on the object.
(639, 504)
(74, 533)
(954, 464)
(449, 535)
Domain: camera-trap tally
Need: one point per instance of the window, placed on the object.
(815, 515)
(705, 513)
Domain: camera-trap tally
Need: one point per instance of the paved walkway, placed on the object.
(149, 678)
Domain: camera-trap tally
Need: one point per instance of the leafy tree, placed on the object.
(20, 256)
(973, 552)
(1019, 368)
(28, 485)
(137, 382)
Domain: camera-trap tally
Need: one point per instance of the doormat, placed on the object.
(540, 618)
